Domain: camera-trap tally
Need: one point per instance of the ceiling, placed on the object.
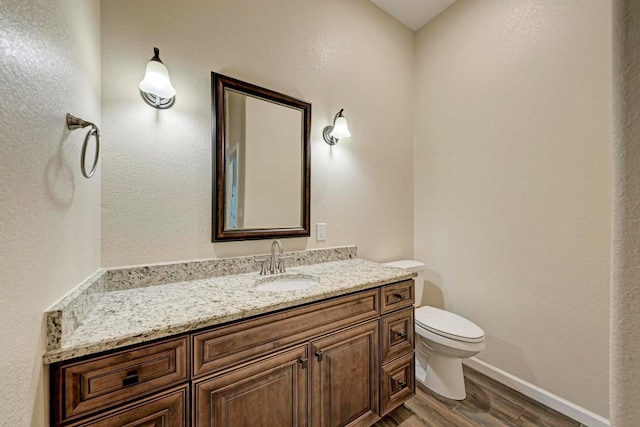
(413, 13)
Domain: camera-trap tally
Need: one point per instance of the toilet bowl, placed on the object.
(442, 340)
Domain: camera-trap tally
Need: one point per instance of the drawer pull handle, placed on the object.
(398, 296)
(304, 362)
(402, 384)
(130, 379)
(319, 355)
(400, 334)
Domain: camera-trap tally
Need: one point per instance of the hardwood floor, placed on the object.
(488, 403)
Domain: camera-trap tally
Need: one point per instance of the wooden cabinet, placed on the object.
(397, 377)
(166, 410)
(345, 377)
(85, 386)
(221, 348)
(344, 361)
(398, 382)
(397, 331)
(396, 296)
(270, 392)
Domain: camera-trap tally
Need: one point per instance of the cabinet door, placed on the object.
(345, 377)
(270, 392)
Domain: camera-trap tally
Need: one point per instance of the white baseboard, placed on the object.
(561, 405)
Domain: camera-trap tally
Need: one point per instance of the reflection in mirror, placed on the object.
(262, 164)
(269, 196)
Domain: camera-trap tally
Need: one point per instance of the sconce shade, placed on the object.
(156, 88)
(340, 129)
(156, 80)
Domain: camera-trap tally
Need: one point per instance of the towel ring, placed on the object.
(74, 123)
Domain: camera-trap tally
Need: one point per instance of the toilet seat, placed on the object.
(448, 325)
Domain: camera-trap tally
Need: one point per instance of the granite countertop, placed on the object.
(119, 318)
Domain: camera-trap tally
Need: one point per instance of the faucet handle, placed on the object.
(281, 267)
(263, 265)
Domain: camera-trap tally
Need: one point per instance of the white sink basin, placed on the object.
(287, 283)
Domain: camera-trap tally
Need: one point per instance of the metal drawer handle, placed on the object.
(130, 379)
(402, 384)
(304, 362)
(399, 296)
(400, 334)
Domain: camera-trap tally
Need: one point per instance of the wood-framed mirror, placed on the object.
(261, 162)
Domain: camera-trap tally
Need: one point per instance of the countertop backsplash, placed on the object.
(160, 274)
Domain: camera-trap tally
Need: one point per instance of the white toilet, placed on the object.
(442, 340)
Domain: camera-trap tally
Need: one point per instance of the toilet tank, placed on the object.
(414, 267)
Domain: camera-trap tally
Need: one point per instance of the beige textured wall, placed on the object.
(513, 183)
(625, 301)
(49, 213)
(156, 185)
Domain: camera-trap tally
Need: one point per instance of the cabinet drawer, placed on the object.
(169, 409)
(229, 346)
(397, 334)
(396, 296)
(102, 382)
(398, 383)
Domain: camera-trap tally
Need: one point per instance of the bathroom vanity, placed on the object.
(336, 354)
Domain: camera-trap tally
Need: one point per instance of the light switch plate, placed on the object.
(321, 231)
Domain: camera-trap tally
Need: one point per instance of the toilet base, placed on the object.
(441, 374)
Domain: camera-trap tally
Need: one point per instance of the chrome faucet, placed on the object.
(275, 263)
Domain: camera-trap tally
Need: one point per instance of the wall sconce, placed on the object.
(156, 88)
(337, 130)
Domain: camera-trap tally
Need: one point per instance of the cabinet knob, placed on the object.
(319, 355)
(304, 362)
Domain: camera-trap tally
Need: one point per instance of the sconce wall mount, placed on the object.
(156, 88)
(339, 129)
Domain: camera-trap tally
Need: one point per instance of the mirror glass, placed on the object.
(262, 162)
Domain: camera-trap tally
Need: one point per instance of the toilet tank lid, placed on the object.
(407, 264)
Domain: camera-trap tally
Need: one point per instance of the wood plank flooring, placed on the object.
(488, 403)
